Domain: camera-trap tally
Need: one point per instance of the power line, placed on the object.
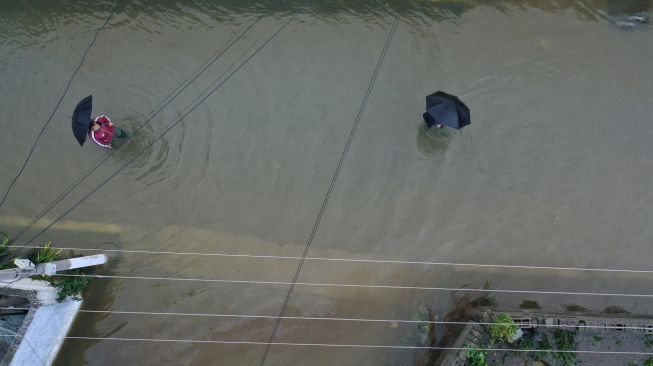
(354, 260)
(330, 190)
(341, 345)
(47, 122)
(343, 319)
(343, 285)
(164, 103)
(166, 130)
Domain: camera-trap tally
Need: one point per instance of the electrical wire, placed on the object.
(331, 186)
(362, 320)
(364, 346)
(343, 285)
(355, 260)
(47, 122)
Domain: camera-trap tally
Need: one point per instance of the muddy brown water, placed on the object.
(556, 169)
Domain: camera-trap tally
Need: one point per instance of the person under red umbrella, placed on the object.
(103, 132)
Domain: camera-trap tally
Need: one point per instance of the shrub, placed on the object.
(648, 341)
(67, 286)
(565, 341)
(504, 330)
(476, 357)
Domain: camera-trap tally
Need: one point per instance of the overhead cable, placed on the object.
(344, 285)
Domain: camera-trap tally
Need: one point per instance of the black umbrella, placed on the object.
(82, 119)
(446, 109)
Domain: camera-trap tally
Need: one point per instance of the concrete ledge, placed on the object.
(45, 326)
(45, 334)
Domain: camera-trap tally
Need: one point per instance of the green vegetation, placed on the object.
(648, 341)
(530, 304)
(526, 344)
(545, 348)
(46, 254)
(619, 342)
(649, 362)
(476, 357)
(596, 339)
(504, 330)
(565, 341)
(67, 285)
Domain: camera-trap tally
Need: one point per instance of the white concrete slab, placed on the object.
(46, 334)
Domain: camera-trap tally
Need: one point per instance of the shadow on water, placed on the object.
(432, 142)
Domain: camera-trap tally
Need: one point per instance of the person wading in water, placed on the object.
(103, 132)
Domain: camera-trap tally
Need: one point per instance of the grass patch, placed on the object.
(619, 342)
(648, 342)
(46, 254)
(476, 357)
(565, 340)
(545, 348)
(526, 344)
(66, 286)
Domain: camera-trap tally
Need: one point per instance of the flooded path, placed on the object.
(555, 169)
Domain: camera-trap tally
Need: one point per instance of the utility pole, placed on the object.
(25, 268)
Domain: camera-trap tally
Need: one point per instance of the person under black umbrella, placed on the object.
(444, 109)
(103, 132)
(100, 129)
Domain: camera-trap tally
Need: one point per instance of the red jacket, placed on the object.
(104, 135)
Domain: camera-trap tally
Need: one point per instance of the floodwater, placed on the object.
(555, 170)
